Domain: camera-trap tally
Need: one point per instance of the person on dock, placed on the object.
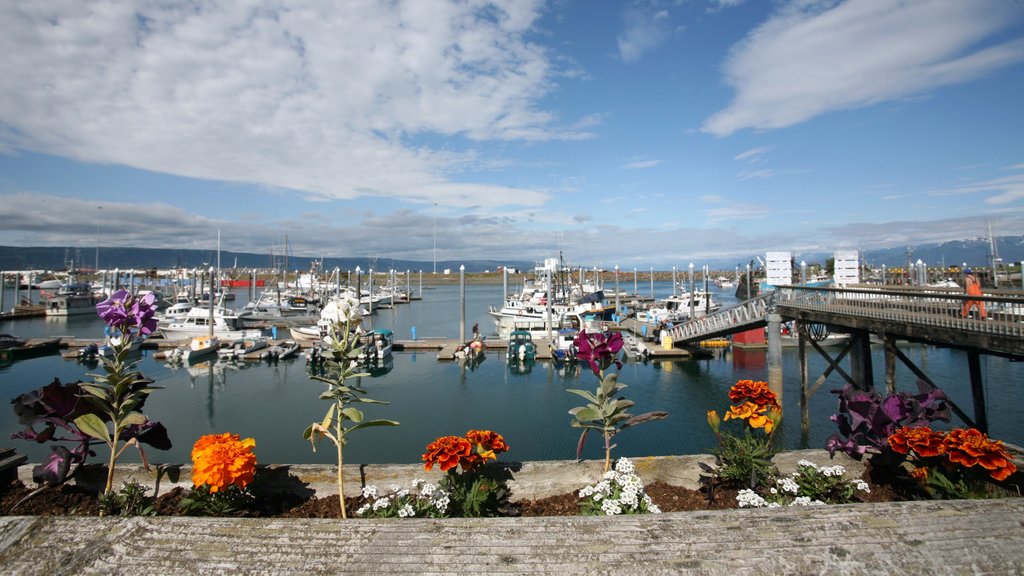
(476, 331)
(973, 288)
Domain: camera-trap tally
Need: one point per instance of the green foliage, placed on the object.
(230, 501)
(341, 366)
(743, 460)
(480, 493)
(620, 492)
(606, 414)
(130, 500)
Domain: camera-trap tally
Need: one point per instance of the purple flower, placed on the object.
(124, 311)
(112, 310)
(598, 350)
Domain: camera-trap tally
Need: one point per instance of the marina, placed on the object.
(273, 401)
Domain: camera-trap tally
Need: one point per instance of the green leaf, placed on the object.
(353, 414)
(586, 395)
(586, 414)
(327, 418)
(97, 391)
(369, 401)
(133, 418)
(610, 385)
(93, 426)
(307, 432)
(370, 423)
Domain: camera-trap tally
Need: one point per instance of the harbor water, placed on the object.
(274, 403)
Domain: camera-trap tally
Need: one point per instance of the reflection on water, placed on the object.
(275, 402)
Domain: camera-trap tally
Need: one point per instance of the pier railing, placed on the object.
(1004, 313)
(742, 316)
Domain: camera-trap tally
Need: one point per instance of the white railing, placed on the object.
(730, 319)
(1004, 313)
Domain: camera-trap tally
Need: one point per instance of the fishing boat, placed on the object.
(71, 300)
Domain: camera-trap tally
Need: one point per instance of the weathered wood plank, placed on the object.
(976, 537)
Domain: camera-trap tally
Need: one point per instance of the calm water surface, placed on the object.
(275, 403)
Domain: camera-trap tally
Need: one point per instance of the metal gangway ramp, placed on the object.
(746, 315)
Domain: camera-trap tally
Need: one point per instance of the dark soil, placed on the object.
(17, 499)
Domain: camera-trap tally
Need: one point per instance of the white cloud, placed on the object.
(641, 164)
(337, 101)
(1001, 190)
(811, 58)
(645, 30)
(754, 155)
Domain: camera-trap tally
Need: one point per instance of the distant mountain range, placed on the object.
(50, 258)
(973, 251)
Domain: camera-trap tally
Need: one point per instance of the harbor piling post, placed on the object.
(749, 281)
(652, 282)
(675, 283)
(391, 283)
(803, 272)
(707, 300)
(977, 391)
(504, 284)
(17, 288)
(3, 289)
(616, 293)
(421, 283)
(408, 285)
(117, 280)
(890, 363)
(462, 303)
(692, 303)
(805, 418)
(369, 288)
(636, 290)
(775, 354)
(549, 300)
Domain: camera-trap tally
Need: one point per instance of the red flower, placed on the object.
(447, 452)
(970, 447)
(921, 439)
(756, 392)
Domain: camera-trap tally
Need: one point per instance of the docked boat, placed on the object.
(13, 348)
(199, 322)
(675, 309)
(377, 345)
(521, 346)
(724, 282)
(199, 347)
(278, 307)
(71, 300)
(239, 349)
(280, 351)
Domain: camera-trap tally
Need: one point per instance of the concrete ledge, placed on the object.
(953, 537)
(530, 480)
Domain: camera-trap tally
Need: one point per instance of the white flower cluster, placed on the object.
(620, 491)
(427, 498)
(836, 471)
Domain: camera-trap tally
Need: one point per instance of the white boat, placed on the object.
(321, 330)
(377, 345)
(198, 323)
(724, 282)
(107, 348)
(199, 347)
(675, 309)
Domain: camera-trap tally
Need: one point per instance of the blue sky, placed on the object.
(648, 133)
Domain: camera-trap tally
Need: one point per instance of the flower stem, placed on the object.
(341, 474)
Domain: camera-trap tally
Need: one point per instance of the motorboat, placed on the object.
(521, 347)
(199, 322)
(199, 347)
(280, 351)
(377, 345)
(675, 309)
(239, 349)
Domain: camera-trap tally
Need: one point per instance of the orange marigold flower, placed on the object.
(744, 411)
(921, 439)
(446, 452)
(756, 392)
(970, 447)
(222, 460)
(920, 474)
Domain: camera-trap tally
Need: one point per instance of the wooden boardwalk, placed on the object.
(951, 537)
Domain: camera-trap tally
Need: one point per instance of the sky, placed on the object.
(650, 133)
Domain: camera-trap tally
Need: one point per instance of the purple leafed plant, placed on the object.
(53, 409)
(866, 419)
